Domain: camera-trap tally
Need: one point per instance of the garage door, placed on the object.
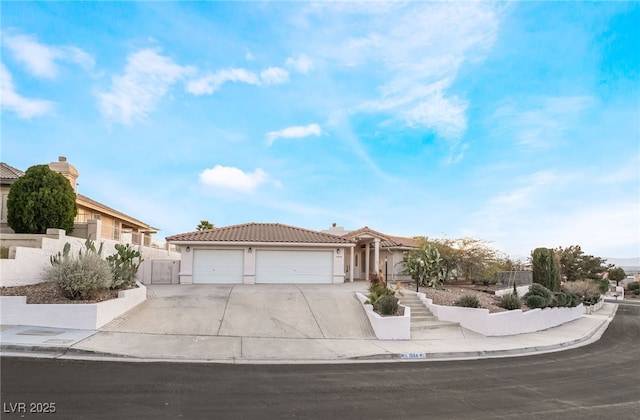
(294, 266)
(218, 266)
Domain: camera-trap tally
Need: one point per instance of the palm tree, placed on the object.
(204, 225)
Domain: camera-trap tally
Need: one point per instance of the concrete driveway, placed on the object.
(269, 311)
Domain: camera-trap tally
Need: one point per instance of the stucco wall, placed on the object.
(26, 265)
(14, 310)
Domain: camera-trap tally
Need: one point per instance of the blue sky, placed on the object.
(517, 123)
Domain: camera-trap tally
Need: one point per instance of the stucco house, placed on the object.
(255, 253)
(93, 218)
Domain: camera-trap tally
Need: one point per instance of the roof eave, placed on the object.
(248, 243)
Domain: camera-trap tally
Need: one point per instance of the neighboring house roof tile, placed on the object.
(259, 232)
(9, 173)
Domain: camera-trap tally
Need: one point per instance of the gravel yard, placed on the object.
(49, 293)
(451, 294)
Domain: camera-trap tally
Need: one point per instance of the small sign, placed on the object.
(413, 355)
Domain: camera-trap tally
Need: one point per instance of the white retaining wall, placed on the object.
(26, 265)
(388, 327)
(503, 323)
(522, 290)
(14, 310)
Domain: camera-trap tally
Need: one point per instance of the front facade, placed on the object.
(376, 253)
(261, 253)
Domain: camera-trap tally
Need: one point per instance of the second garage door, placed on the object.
(294, 266)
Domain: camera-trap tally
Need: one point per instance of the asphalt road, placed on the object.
(599, 381)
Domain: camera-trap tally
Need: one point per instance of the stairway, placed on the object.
(422, 319)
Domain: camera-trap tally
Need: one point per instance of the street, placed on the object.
(599, 381)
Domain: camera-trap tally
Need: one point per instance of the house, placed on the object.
(93, 218)
(275, 253)
(261, 253)
(376, 252)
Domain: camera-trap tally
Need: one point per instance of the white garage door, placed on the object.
(294, 266)
(218, 266)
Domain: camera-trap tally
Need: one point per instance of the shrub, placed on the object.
(635, 292)
(82, 277)
(468, 301)
(376, 291)
(542, 292)
(535, 301)
(510, 302)
(386, 305)
(634, 285)
(586, 290)
(546, 270)
(41, 199)
(563, 300)
(124, 266)
(575, 300)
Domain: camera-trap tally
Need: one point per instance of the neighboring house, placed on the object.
(276, 253)
(376, 252)
(261, 253)
(93, 218)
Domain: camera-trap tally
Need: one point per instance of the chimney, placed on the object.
(67, 170)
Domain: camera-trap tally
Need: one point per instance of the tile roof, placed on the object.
(8, 172)
(386, 241)
(259, 232)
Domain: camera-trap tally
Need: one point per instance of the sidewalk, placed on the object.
(445, 343)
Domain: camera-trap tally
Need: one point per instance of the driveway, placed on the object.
(260, 310)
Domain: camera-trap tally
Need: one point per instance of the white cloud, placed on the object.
(12, 101)
(232, 178)
(541, 122)
(146, 79)
(40, 59)
(415, 50)
(274, 76)
(298, 131)
(302, 64)
(211, 82)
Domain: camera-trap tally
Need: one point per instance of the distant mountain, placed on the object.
(624, 262)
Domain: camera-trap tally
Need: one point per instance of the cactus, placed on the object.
(124, 266)
(61, 256)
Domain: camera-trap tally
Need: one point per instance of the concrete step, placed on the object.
(432, 325)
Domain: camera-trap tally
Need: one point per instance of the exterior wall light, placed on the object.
(188, 249)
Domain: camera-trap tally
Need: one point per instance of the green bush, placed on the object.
(468, 301)
(41, 199)
(510, 302)
(82, 277)
(635, 292)
(535, 301)
(575, 300)
(545, 294)
(386, 305)
(565, 300)
(376, 291)
(634, 285)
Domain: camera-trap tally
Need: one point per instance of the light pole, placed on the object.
(386, 278)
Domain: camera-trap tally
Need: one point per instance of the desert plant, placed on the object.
(468, 301)
(386, 305)
(539, 290)
(633, 285)
(124, 265)
(586, 290)
(535, 301)
(563, 300)
(376, 291)
(510, 301)
(81, 277)
(41, 199)
(546, 270)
